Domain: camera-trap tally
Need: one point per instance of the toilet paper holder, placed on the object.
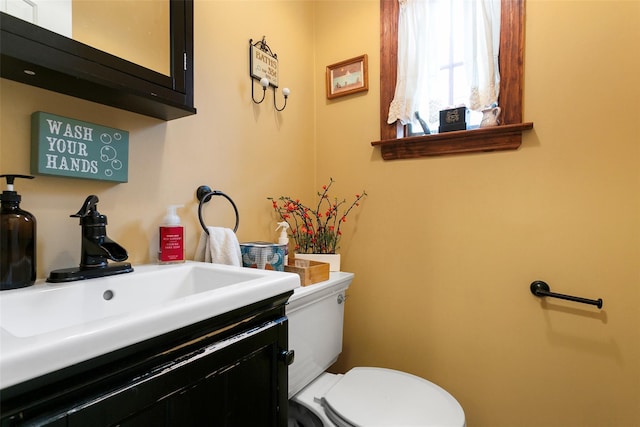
(541, 289)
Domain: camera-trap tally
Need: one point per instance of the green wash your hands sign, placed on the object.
(67, 147)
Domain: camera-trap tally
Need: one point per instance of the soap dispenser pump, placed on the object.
(17, 239)
(171, 238)
(283, 239)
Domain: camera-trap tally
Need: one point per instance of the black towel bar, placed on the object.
(541, 289)
(204, 194)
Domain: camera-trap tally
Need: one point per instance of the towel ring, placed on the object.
(204, 194)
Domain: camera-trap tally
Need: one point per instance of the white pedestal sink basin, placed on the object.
(47, 326)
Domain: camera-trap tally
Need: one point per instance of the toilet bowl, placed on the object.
(364, 396)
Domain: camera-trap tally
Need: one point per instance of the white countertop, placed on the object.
(88, 326)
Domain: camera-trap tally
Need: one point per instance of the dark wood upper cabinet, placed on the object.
(33, 55)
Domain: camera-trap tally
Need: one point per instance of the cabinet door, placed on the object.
(240, 394)
(236, 382)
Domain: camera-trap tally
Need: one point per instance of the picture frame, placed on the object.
(348, 77)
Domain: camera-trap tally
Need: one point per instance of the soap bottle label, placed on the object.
(171, 244)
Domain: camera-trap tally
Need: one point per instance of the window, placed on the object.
(511, 61)
(447, 57)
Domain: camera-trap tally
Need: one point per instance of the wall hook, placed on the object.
(263, 66)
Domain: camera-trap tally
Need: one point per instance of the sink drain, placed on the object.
(107, 295)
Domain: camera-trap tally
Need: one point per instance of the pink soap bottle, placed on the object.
(171, 238)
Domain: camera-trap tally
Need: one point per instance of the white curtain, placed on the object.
(415, 42)
(482, 48)
(418, 50)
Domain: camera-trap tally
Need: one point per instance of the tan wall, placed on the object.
(444, 249)
(248, 151)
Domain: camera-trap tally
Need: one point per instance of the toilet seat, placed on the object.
(378, 397)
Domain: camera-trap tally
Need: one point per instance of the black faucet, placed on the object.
(96, 246)
(96, 250)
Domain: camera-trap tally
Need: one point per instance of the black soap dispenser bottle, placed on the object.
(17, 240)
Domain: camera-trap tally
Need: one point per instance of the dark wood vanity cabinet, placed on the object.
(230, 370)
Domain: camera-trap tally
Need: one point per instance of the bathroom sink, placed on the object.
(49, 326)
(46, 308)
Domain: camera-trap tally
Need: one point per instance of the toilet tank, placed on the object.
(316, 315)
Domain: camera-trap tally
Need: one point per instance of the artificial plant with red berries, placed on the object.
(315, 231)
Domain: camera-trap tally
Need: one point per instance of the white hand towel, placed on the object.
(220, 246)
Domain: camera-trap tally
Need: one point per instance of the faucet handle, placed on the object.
(89, 215)
(88, 207)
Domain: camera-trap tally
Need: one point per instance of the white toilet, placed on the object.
(364, 397)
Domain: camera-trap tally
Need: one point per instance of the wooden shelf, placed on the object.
(505, 137)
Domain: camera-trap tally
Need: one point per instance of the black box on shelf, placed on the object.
(453, 119)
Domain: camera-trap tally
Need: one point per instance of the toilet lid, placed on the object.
(384, 397)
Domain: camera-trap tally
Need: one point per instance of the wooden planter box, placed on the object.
(309, 271)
